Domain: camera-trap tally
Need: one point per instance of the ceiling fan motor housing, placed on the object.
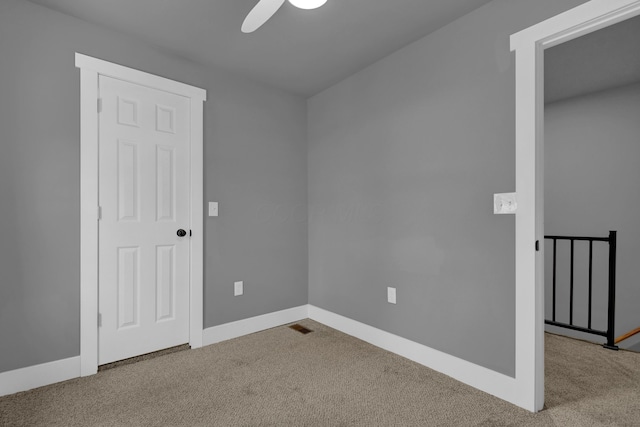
(307, 4)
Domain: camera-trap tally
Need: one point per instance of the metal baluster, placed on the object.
(554, 279)
(590, 279)
(571, 288)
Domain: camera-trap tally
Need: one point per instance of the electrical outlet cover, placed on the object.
(391, 295)
(213, 208)
(238, 288)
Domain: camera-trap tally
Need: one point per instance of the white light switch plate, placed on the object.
(391, 295)
(238, 288)
(213, 208)
(505, 203)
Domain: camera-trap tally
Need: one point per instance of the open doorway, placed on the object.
(591, 153)
(529, 46)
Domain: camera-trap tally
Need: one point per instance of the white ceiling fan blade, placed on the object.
(260, 14)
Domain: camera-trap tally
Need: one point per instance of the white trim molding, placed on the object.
(61, 370)
(492, 382)
(487, 380)
(251, 325)
(90, 70)
(110, 69)
(529, 46)
(39, 375)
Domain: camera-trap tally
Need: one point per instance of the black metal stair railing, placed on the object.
(611, 304)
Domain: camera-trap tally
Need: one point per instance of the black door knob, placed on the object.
(182, 233)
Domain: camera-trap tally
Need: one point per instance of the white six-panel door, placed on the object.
(144, 199)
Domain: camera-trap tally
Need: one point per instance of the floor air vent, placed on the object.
(300, 329)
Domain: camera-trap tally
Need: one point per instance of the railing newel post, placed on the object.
(613, 244)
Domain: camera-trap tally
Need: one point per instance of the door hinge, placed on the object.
(99, 319)
(99, 213)
(538, 245)
(99, 105)
(190, 233)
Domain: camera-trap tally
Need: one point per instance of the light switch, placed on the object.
(213, 208)
(505, 203)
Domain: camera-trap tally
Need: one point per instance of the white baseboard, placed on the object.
(239, 328)
(39, 375)
(61, 370)
(492, 382)
(489, 381)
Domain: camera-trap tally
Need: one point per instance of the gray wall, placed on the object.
(601, 60)
(404, 158)
(592, 152)
(255, 158)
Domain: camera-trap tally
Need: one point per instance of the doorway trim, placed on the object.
(90, 69)
(529, 46)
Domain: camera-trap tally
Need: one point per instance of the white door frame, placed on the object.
(529, 46)
(90, 70)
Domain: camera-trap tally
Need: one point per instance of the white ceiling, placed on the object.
(302, 51)
(598, 61)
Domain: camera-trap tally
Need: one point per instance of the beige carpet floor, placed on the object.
(281, 377)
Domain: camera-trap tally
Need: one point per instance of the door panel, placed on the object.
(165, 282)
(164, 182)
(128, 296)
(128, 170)
(144, 196)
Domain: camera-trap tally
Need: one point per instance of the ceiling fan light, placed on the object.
(307, 4)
